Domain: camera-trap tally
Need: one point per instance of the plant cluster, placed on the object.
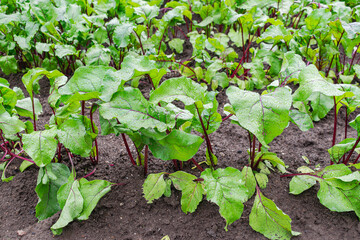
(301, 56)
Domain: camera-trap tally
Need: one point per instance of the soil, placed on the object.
(124, 214)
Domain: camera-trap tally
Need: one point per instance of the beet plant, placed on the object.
(265, 117)
(339, 181)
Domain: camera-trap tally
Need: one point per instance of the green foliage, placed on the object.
(99, 55)
(268, 219)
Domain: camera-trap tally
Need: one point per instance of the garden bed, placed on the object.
(189, 119)
(124, 214)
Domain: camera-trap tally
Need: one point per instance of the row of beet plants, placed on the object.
(67, 34)
(158, 125)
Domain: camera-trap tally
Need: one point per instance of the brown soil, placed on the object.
(124, 214)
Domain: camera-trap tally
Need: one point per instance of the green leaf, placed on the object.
(176, 145)
(8, 64)
(336, 170)
(301, 119)
(226, 188)
(356, 124)
(24, 107)
(122, 34)
(267, 219)
(74, 205)
(64, 50)
(72, 134)
(24, 43)
(154, 187)
(133, 66)
(97, 55)
(131, 108)
(40, 146)
(269, 113)
(338, 150)
(177, 44)
(167, 192)
(237, 37)
(312, 82)
(292, 64)
(261, 179)
(183, 89)
(192, 192)
(275, 33)
(2, 166)
(87, 79)
(24, 165)
(321, 105)
(50, 179)
(92, 192)
(317, 19)
(4, 178)
(250, 181)
(339, 200)
(340, 176)
(212, 160)
(10, 124)
(32, 77)
(299, 184)
(9, 96)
